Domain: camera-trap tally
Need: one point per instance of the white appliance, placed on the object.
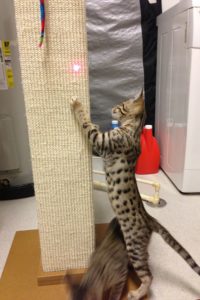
(15, 162)
(178, 94)
(8, 151)
(166, 4)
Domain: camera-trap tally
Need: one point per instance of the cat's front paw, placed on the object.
(75, 103)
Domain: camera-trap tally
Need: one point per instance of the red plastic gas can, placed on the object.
(149, 159)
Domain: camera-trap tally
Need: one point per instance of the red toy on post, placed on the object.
(149, 159)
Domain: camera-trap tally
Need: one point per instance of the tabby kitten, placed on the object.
(119, 149)
(108, 268)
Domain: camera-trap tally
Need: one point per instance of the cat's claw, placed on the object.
(75, 103)
(73, 100)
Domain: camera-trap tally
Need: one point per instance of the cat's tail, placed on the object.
(77, 291)
(107, 271)
(170, 240)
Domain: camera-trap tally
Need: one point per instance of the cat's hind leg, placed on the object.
(143, 290)
(138, 257)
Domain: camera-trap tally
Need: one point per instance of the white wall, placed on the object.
(12, 100)
(166, 4)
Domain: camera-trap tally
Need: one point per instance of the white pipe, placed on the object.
(98, 185)
(153, 199)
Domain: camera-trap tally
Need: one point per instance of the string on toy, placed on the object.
(42, 15)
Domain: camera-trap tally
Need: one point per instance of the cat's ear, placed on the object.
(139, 105)
(140, 95)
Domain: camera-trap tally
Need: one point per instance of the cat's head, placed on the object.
(131, 109)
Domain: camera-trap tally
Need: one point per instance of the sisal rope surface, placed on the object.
(61, 158)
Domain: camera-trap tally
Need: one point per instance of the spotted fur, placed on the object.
(119, 149)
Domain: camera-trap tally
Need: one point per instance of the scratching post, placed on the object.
(61, 158)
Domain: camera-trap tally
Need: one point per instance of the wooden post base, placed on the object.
(21, 277)
(48, 278)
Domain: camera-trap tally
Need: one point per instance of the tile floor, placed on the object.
(173, 279)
